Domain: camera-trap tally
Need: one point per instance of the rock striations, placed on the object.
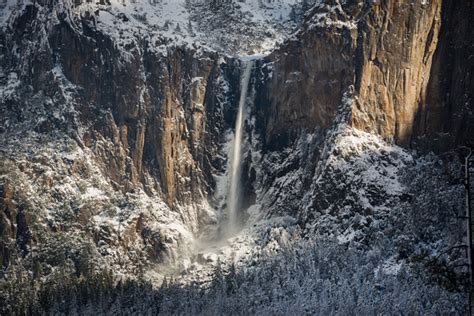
(401, 62)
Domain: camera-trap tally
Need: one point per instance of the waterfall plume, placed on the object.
(233, 196)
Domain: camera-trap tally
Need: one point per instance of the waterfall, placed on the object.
(233, 196)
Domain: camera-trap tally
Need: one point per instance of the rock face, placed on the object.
(308, 76)
(396, 69)
(401, 62)
(447, 115)
(152, 120)
(395, 50)
(151, 107)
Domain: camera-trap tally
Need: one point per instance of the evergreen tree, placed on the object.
(190, 29)
(293, 16)
(177, 28)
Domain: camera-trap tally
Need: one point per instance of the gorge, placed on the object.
(174, 156)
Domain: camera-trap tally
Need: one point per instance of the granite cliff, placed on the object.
(401, 62)
(116, 123)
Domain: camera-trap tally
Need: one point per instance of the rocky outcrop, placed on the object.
(397, 69)
(406, 64)
(307, 78)
(151, 120)
(144, 105)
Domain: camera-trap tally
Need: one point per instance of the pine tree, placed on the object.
(230, 280)
(37, 270)
(293, 16)
(190, 29)
(166, 26)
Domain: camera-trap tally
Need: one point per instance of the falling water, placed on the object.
(233, 197)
